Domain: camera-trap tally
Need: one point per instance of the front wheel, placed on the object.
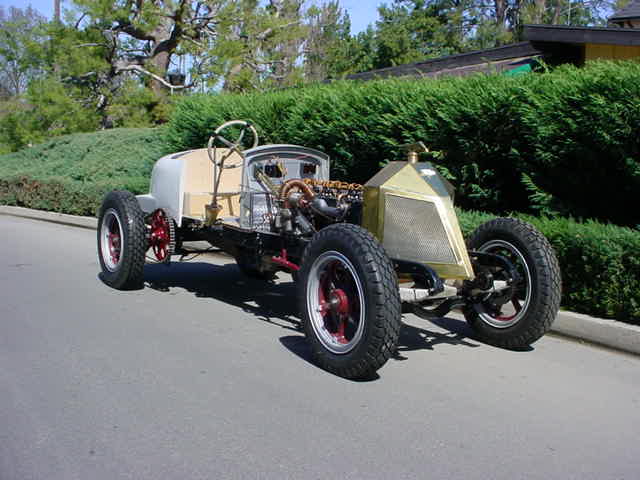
(349, 301)
(514, 313)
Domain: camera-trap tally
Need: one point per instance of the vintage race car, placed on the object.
(357, 252)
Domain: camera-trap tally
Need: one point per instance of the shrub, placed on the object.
(135, 106)
(50, 109)
(565, 141)
(71, 174)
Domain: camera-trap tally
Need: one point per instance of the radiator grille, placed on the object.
(413, 231)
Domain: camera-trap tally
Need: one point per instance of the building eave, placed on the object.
(453, 62)
(582, 35)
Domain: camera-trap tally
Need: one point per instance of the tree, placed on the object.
(415, 30)
(287, 38)
(18, 29)
(258, 47)
(56, 11)
(356, 54)
(141, 36)
(328, 41)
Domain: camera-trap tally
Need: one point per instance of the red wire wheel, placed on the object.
(111, 232)
(349, 301)
(122, 240)
(160, 236)
(338, 320)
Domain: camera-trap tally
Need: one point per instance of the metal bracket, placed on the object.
(422, 274)
(490, 259)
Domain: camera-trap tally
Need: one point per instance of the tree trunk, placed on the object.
(556, 13)
(162, 47)
(540, 7)
(56, 11)
(500, 12)
(159, 64)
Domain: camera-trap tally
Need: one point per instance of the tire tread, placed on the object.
(130, 275)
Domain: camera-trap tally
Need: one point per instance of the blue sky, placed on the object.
(362, 12)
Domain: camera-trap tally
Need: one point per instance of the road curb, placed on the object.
(608, 333)
(62, 218)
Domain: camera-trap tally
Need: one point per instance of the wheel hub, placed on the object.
(337, 299)
(114, 246)
(161, 236)
(506, 308)
(111, 239)
(339, 302)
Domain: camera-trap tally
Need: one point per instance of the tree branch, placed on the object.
(159, 79)
(79, 21)
(91, 45)
(269, 31)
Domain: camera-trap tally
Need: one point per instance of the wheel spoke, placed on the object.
(340, 334)
(114, 247)
(516, 304)
(111, 239)
(493, 305)
(160, 238)
(338, 304)
(322, 295)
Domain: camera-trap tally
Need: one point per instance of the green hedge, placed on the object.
(71, 174)
(62, 195)
(567, 141)
(600, 264)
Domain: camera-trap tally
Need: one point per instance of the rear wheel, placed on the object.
(522, 311)
(122, 241)
(349, 301)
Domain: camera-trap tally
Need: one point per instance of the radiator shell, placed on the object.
(409, 209)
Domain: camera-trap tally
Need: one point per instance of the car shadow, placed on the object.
(269, 302)
(276, 304)
(456, 332)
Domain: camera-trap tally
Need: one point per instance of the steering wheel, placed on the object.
(233, 147)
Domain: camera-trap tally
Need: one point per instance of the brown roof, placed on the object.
(632, 10)
(493, 59)
(580, 35)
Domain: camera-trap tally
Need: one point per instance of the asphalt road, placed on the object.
(203, 374)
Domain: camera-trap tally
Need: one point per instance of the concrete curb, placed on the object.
(62, 218)
(608, 333)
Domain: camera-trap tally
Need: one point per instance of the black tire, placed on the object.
(538, 266)
(124, 268)
(363, 273)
